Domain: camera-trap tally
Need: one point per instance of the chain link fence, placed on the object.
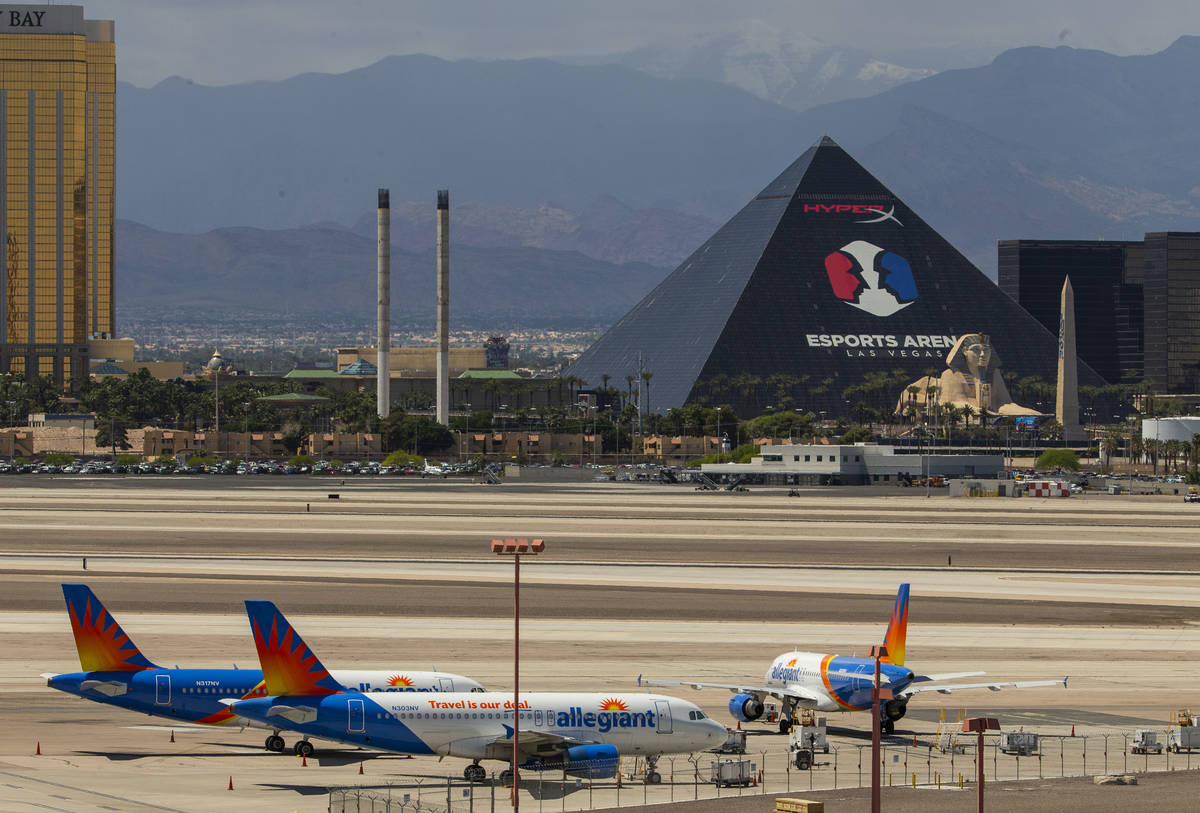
(709, 776)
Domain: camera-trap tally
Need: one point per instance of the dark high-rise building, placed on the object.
(57, 92)
(823, 290)
(1172, 295)
(1106, 278)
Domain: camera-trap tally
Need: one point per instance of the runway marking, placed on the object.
(548, 528)
(89, 792)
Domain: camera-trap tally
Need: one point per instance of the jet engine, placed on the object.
(895, 709)
(589, 761)
(745, 707)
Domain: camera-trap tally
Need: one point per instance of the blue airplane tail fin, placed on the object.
(103, 646)
(289, 667)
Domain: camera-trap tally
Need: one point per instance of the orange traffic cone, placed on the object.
(1072, 729)
(172, 735)
(303, 760)
(38, 752)
(914, 740)
(231, 783)
(360, 770)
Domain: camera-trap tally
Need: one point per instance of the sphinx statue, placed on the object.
(972, 378)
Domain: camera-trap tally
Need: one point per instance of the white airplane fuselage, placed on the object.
(479, 725)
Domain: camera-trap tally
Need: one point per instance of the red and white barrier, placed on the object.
(1047, 488)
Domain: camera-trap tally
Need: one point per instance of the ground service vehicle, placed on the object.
(1145, 741)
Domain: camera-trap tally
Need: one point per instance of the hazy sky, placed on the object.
(222, 41)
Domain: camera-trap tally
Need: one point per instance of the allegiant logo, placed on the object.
(604, 721)
(785, 673)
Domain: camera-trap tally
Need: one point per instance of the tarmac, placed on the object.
(637, 579)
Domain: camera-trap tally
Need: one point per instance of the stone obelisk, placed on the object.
(1066, 405)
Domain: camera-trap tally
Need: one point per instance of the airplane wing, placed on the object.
(946, 676)
(534, 742)
(296, 714)
(801, 695)
(947, 688)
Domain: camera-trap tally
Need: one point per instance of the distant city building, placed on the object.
(414, 362)
(113, 358)
(824, 291)
(1106, 277)
(57, 92)
(1136, 302)
(1172, 297)
(497, 353)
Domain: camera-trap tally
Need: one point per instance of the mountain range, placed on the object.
(781, 66)
(609, 173)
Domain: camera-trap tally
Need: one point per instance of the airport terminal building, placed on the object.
(850, 465)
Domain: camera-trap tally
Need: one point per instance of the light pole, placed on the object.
(878, 695)
(12, 437)
(719, 450)
(979, 725)
(246, 420)
(514, 548)
(467, 439)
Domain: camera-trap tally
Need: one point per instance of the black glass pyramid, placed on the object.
(822, 281)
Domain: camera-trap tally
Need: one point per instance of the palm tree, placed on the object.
(646, 376)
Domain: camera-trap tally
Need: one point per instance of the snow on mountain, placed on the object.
(785, 67)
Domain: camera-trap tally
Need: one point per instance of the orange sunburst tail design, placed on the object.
(400, 680)
(897, 630)
(103, 646)
(613, 704)
(289, 666)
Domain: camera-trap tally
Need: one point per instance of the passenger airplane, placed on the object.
(581, 733)
(117, 673)
(814, 680)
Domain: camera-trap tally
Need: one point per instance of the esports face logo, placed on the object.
(864, 275)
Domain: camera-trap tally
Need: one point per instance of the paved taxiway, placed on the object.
(637, 579)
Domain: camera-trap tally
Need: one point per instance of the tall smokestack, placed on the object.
(443, 306)
(383, 318)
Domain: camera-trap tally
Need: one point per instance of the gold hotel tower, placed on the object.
(57, 89)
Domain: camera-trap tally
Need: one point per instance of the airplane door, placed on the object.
(445, 684)
(665, 724)
(356, 719)
(162, 690)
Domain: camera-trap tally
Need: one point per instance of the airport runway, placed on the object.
(637, 578)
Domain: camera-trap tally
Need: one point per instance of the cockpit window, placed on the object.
(479, 689)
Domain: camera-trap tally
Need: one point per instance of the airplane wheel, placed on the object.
(474, 773)
(889, 726)
(506, 778)
(304, 748)
(785, 725)
(653, 778)
(275, 743)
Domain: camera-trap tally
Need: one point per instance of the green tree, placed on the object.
(1058, 459)
(417, 433)
(112, 431)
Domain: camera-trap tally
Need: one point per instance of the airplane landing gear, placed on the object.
(303, 748)
(653, 777)
(506, 777)
(275, 743)
(785, 724)
(474, 773)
